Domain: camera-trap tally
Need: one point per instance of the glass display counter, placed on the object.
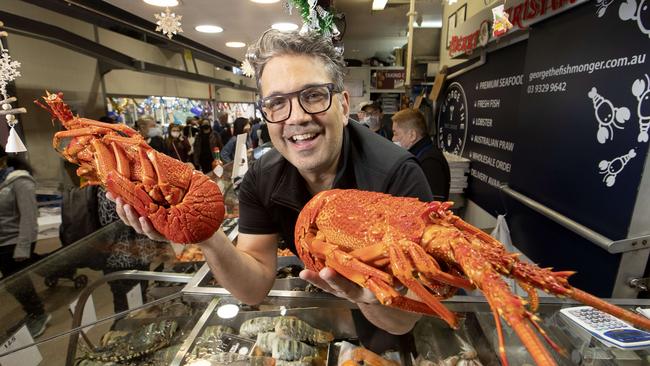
(201, 324)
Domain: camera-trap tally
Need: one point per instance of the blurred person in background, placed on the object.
(204, 146)
(410, 132)
(372, 116)
(254, 137)
(176, 144)
(18, 233)
(190, 131)
(152, 134)
(265, 144)
(225, 131)
(241, 125)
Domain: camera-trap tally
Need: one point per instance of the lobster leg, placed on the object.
(509, 306)
(403, 270)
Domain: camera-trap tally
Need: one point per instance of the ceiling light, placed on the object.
(429, 24)
(235, 44)
(206, 28)
(285, 27)
(265, 1)
(379, 4)
(162, 2)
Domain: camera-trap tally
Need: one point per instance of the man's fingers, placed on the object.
(346, 288)
(110, 196)
(149, 230)
(315, 280)
(133, 219)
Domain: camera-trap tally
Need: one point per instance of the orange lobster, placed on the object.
(377, 240)
(183, 204)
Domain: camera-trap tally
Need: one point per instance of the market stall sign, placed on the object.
(475, 32)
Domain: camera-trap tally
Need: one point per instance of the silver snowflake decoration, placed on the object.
(247, 69)
(168, 23)
(8, 71)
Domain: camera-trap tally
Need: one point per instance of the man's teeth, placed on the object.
(303, 137)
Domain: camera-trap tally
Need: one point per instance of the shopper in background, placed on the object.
(18, 232)
(410, 132)
(372, 116)
(204, 146)
(265, 144)
(241, 125)
(176, 144)
(216, 125)
(254, 136)
(152, 134)
(225, 132)
(190, 131)
(316, 147)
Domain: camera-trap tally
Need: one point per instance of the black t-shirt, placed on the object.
(273, 192)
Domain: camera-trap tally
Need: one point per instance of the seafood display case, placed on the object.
(198, 323)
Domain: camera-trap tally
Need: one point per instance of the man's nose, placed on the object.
(298, 115)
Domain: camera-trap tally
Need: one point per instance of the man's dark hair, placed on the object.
(239, 124)
(369, 107)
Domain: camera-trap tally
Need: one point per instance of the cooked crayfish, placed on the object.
(182, 203)
(377, 240)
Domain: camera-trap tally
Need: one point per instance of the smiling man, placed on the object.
(316, 147)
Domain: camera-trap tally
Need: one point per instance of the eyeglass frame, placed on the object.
(331, 87)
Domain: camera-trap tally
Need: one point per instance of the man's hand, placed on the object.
(130, 217)
(330, 281)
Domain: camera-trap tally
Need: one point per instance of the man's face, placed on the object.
(404, 136)
(319, 136)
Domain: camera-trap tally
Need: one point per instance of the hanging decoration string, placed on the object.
(8, 73)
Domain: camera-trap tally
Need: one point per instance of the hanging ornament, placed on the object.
(168, 23)
(500, 25)
(8, 73)
(288, 7)
(247, 69)
(315, 18)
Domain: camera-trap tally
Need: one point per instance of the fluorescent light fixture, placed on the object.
(227, 311)
(429, 24)
(379, 4)
(206, 28)
(265, 1)
(235, 44)
(285, 27)
(162, 2)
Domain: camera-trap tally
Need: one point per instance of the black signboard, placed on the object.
(478, 117)
(584, 115)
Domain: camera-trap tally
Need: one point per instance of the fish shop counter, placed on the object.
(199, 323)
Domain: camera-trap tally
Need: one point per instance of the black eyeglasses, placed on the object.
(313, 100)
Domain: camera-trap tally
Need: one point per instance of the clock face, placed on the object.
(452, 120)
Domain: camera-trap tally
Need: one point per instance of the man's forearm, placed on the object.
(392, 320)
(236, 271)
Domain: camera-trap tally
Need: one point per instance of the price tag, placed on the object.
(134, 297)
(26, 357)
(89, 315)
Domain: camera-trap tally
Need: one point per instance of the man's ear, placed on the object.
(344, 99)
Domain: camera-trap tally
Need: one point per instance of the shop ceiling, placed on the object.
(244, 21)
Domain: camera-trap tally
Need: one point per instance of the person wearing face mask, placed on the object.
(241, 125)
(152, 134)
(204, 146)
(410, 132)
(176, 144)
(372, 116)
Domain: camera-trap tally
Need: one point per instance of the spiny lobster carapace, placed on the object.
(378, 241)
(183, 204)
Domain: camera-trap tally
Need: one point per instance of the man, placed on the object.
(315, 148)
(410, 132)
(152, 134)
(372, 115)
